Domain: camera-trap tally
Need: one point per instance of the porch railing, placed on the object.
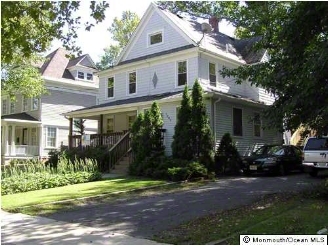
(119, 150)
(23, 150)
(105, 139)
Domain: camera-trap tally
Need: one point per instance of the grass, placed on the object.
(75, 191)
(47, 201)
(274, 214)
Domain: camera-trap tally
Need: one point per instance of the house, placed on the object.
(31, 127)
(167, 52)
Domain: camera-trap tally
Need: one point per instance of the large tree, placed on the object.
(27, 29)
(295, 36)
(121, 30)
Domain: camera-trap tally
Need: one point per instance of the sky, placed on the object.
(94, 41)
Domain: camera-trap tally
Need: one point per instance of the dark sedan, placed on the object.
(277, 159)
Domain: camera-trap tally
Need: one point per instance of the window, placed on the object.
(33, 137)
(237, 122)
(24, 106)
(35, 103)
(257, 125)
(110, 125)
(51, 133)
(212, 74)
(4, 106)
(89, 76)
(132, 82)
(155, 38)
(80, 75)
(131, 120)
(12, 107)
(182, 73)
(110, 87)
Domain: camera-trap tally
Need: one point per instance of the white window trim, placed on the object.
(33, 109)
(216, 74)
(154, 33)
(261, 130)
(6, 103)
(113, 88)
(77, 75)
(128, 83)
(86, 77)
(23, 98)
(12, 103)
(242, 123)
(177, 75)
(85, 74)
(46, 136)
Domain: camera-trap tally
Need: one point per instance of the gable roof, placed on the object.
(19, 116)
(190, 28)
(57, 64)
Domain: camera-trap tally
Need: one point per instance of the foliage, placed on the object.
(146, 134)
(181, 145)
(80, 126)
(35, 176)
(121, 30)
(98, 154)
(45, 22)
(227, 157)
(191, 170)
(201, 137)
(295, 36)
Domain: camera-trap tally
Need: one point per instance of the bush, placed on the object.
(227, 159)
(191, 170)
(35, 176)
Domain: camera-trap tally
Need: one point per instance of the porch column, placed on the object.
(13, 140)
(101, 128)
(70, 133)
(40, 134)
(5, 138)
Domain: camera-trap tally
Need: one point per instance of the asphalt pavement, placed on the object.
(145, 216)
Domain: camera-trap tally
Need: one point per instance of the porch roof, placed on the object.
(135, 101)
(20, 117)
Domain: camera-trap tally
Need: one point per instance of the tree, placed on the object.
(28, 28)
(295, 36)
(181, 145)
(201, 134)
(121, 30)
(80, 126)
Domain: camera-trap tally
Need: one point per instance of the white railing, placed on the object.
(24, 150)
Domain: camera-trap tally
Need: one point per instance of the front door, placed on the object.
(25, 136)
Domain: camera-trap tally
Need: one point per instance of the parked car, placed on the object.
(315, 155)
(277, 159)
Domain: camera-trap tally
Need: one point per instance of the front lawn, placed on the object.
(275, 214)
(14, 201)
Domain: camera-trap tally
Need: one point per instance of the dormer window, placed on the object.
(89, 76)
(155, 38)
(80, 75)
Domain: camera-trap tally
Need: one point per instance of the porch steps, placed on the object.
(122, 167)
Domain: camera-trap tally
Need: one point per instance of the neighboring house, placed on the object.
(31, 127)
(167, 52)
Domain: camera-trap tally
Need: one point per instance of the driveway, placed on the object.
(143, 217)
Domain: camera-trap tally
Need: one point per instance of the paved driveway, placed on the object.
(144, 217)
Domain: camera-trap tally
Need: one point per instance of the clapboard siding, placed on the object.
(166, 74)
(223, 121)
(171, 38)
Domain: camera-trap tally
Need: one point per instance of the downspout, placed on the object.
(214, 123)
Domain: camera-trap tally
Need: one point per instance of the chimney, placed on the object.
(214, 22)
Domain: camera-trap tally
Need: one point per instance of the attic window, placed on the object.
(80, 75)
(89, 76)
(155, 38)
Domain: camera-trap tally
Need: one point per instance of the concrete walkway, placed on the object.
(27, 230)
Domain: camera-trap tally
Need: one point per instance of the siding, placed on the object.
(223, 121)
(172, 39)
(166, 74)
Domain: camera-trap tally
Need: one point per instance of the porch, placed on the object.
(20, 136)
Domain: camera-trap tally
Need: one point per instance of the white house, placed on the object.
(31, 127)
(167, 52)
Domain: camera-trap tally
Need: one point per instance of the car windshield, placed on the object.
(317, 144)
(276, 150)
(265, 150)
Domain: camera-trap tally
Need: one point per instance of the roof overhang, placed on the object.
(20, 121)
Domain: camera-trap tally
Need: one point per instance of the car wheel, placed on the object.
(282, 170)
(314, 172)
